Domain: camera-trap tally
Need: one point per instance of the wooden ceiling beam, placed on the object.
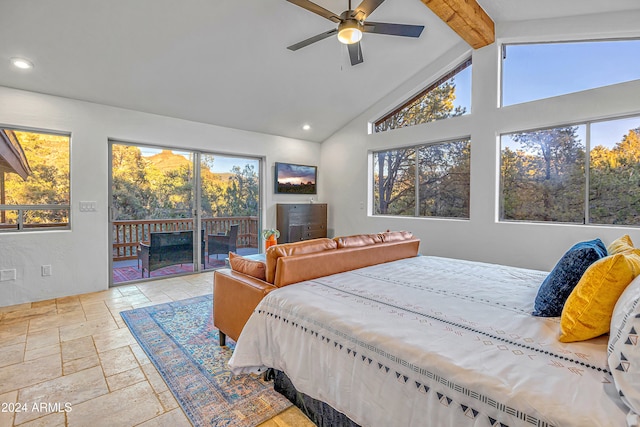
(467, 19)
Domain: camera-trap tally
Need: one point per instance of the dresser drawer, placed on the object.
(300, 221)
(314, 228)
(306, 232)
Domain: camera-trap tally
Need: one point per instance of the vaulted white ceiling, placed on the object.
(225, 62)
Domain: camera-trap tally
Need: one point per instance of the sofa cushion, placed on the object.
(395, 236)
(358, 240)
(246, 266)
(296, 248)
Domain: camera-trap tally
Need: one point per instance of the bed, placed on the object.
(430, 341)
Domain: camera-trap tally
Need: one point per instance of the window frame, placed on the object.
(23, 208)
(466, 63)
(503, 54)
(417, 148)
(586, 220)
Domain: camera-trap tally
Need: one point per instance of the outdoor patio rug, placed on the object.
(129, 273)
(182, 343)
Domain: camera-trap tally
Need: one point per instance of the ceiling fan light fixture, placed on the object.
(349, 31)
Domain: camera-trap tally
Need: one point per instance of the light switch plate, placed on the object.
(88, 206)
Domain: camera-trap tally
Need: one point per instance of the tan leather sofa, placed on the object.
(236, 293)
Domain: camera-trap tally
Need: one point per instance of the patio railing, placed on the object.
(127, 234)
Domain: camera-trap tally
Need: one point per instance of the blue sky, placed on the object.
(554, 69)
(223, 164)
(536, 71)
(463, 85)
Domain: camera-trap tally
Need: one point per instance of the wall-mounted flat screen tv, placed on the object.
(295, 179)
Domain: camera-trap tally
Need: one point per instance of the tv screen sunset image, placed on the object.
(295, 179)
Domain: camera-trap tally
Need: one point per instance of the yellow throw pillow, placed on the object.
(620, 245)
(588, 310)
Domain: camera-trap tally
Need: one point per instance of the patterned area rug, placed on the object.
(182, 343)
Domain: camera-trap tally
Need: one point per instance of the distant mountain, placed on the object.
(168, 160)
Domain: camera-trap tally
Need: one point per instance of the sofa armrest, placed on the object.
(235, 296)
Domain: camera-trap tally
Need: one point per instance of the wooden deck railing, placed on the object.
(127, 234)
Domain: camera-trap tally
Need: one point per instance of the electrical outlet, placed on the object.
(46, 270)
(9, 274)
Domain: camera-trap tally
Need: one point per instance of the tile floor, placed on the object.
(77, 351)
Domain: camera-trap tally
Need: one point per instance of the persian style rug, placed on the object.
(182, 343)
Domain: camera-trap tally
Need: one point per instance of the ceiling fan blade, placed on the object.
(393, 29)
(312, 7)
(365, 9)
(355, 53)
(313, 39)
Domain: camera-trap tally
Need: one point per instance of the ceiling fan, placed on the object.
(351, 24)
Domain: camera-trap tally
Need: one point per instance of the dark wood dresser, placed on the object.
(301, 221)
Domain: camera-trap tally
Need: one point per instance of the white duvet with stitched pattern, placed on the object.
(431, 341)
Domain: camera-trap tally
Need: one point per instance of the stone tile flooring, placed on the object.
(77, 351)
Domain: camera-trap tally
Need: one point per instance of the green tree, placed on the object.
(614, 182)
(241, 193)
(445, 179)
(161, 186)
(395, 182)
(544, 180)
(48, 184)
(435, 104)
(172, 191)
(131, 191)
(394, 186)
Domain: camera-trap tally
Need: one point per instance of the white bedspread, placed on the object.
(431, 341)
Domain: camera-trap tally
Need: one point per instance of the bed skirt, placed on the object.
(319, 412)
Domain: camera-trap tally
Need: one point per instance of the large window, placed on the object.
(537, 71)
(584, 173)
(428, 181)
(34, 180)
(449, 96)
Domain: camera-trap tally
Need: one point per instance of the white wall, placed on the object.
(345, 164)
(79, 257)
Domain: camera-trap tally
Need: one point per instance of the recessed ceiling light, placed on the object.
(22, 63)
(306, 127)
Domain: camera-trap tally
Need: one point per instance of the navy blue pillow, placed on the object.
(557, 286)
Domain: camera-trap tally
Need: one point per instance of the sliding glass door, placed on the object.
(177, 211)
(229, 206)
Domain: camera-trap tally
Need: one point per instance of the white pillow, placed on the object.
(624, 348)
